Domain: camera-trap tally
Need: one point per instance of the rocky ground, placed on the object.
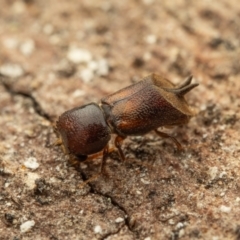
(56, 55)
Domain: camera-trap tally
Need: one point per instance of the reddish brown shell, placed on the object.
(147, 105)
(83, 130)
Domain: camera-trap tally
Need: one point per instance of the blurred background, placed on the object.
(110, 44)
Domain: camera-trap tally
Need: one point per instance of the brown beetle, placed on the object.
(135, 110)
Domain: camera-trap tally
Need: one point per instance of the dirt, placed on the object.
(56, 55)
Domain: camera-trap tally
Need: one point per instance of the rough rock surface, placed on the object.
(158, 193)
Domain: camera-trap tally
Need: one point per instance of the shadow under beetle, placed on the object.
(135, 110)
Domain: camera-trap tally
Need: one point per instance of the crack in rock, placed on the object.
(36, 105)
(116, 204)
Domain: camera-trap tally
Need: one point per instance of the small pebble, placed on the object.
(27, 47)
(225, 209)
(171, 222)
(11, 70)
(79, 55)
(213, 172)
(98, 229)
(86, 75)
(78, 93)
(181, 233)
(93, 65)
(119, 219)
(26, 226)
(30, 179)
(145, 181)
(31, 163)
(151, 39)
(10, 43)
(82, 211)
(179, 225)
(222, 174)
(102, 67)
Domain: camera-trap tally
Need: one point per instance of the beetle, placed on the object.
(135, 110)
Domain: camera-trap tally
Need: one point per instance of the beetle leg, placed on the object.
(104, 158)
(54, 125)
(89, 180)
(58, 142)
(118, 142)
(92, 157)
(165, 135)
(103, 163)
(96, 155)
(74, 161)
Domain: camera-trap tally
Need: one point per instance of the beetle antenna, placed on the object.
(186, 89)
(182, 91)
(186, 82)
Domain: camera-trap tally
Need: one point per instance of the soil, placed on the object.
(56, 55)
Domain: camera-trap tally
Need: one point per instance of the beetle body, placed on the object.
(145, 106)
(135, 110)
